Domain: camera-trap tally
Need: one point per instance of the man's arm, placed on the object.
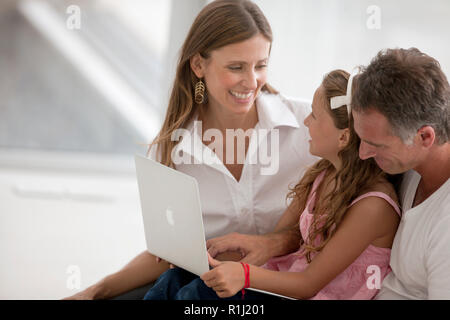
(284, 241)
(257, 249)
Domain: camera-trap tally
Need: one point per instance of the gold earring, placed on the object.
(199, 92)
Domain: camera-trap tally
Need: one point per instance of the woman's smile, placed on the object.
(241, 98)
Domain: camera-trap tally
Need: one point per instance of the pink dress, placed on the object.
(353, 282)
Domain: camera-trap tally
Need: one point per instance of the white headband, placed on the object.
(339, 101)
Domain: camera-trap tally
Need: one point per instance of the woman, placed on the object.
(221, 84)
(349, 217)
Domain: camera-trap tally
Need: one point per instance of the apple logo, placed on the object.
(169, 216)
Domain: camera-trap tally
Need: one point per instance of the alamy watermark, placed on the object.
(263, 147)
(73, 281)
(374, 20)
(374, 281)
(73, 22)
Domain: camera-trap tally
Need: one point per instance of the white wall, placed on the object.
(313, 37)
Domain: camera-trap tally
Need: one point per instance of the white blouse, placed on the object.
(255, 203)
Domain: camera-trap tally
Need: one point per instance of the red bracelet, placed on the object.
(247, 278)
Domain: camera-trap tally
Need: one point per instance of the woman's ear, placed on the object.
(344, 138)
(198, 65)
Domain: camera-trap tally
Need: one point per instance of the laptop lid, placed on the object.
(172, 215)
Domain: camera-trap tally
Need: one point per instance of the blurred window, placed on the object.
(93, 89)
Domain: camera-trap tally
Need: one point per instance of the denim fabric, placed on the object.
(135, 294)
(179, 284)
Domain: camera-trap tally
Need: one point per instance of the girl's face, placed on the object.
(234, 74)
(326, 140)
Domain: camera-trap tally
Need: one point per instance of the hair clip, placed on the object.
(339, 101)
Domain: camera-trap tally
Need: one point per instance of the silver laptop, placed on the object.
(172, 215)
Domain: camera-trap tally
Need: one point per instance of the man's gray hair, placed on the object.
(409, 88)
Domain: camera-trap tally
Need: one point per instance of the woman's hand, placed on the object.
(226, 278)
(158, 260)
(253, 248)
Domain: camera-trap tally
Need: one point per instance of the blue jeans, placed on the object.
(179, 284)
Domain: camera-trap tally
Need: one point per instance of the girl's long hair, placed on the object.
(220, 23)
(354, 176)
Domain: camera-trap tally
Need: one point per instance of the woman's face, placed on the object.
(325, 137)
(235, 74)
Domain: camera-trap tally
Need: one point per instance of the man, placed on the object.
(401, 110)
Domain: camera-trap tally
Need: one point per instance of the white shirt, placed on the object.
(420, 257)
(255, 203)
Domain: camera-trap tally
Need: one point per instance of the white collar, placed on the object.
(273, 112)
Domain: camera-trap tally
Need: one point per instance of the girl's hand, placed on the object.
(226, 279)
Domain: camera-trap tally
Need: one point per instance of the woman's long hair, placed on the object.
(354, 176)
(220, 23)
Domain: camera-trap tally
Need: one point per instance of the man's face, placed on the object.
(378, 142)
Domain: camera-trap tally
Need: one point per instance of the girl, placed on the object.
(349, 216)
